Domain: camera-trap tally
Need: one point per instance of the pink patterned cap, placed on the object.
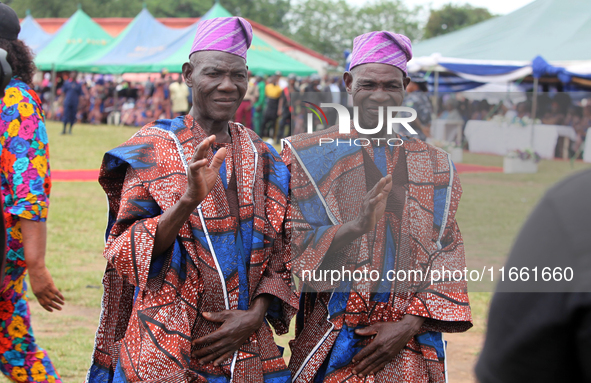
(225, 34)
(383, 48)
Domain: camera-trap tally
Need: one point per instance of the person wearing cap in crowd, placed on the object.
(288, 103)
(25, 187)
(195, 242)
(381, 207)
(417, 97)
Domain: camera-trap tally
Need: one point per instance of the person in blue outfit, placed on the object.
(71, 92)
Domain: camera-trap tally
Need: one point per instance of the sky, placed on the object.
(498, 7)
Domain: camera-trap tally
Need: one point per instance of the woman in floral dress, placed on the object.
(25, 185)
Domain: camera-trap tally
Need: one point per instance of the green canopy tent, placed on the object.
(148, 46)
(80, 36)
(260, 58)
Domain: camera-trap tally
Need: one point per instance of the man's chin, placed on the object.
(223, 114)
(370, 121)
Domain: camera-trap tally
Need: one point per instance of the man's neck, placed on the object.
(220, 129)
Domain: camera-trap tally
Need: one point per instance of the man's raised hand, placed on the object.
(201, 177)
(374, 205)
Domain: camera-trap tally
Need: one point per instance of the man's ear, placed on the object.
(406, 81)
(187, 74)
(348, 78)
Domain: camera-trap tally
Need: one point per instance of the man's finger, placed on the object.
(58, 297)
(221, 359)
(58, 301)
(198, 164)
(211, 349)
(212, 338)
(365, 352)
(365, 363)
(377, 188)
(218, 160)
(218, 317)
(210, 357)
(59, 294)
(44, 303)
(54, 306)
(374, 201)
(367, 331)
(379, 362)
(203, 147)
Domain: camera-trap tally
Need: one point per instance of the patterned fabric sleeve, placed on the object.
(131, 240)
(309, 242)
(277, 281)
(446, 305)
(25, 154)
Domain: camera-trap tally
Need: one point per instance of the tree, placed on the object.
(452, 17)
(56, 8)
(330, 26)
(267, 12)
(270, 13)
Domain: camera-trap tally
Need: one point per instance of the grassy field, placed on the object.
(493, 207)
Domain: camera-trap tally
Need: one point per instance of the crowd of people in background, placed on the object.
(560, 109)
(268, 106)
(272, 106)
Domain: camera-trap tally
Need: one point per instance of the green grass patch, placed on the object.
(84, 148)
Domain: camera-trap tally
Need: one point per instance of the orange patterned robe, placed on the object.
(152, 307)
(417, 232)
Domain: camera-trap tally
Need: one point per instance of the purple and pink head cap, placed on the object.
(383, 48)
(225, 34)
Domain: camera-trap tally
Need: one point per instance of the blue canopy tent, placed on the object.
(144, 42)
(33, 35)
(503, 48)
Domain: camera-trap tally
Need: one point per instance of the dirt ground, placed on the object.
(462, 353)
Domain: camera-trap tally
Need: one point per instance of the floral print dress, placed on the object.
(25, 184)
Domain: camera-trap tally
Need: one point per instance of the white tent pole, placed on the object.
(436, 94)
(53, 91)
(534, 107)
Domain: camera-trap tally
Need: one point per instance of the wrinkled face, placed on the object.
(374, 85)
(218, 81)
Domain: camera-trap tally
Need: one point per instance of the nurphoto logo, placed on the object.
(344, 118)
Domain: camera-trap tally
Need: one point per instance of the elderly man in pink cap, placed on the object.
(372, 215)
(196, 242)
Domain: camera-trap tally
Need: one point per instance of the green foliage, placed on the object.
(329, 26)
(270, 13)
(452, 17)
(65, 8)
(267, 12)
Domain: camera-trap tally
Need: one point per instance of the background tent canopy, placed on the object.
(33, 35)
(146, 45)
(558, 30)
(143, 43)
(79, 37)
(260, 58)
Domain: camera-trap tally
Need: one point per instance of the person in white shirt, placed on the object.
(179, 95)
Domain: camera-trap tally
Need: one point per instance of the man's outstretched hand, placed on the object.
(202, 178)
